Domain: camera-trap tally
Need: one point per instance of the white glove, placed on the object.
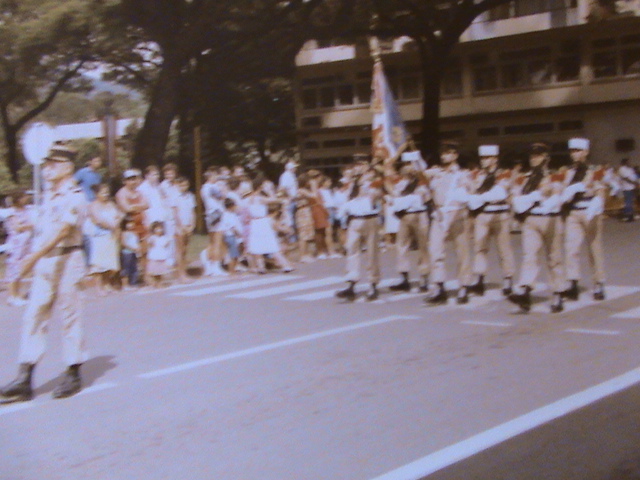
(522, 203)
(551, 204)
(475, 202)
(571, 191)
(595, 208)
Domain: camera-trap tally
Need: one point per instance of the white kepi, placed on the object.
(36, 143)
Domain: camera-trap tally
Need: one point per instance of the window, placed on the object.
(452, 79)
(520, 8)
(311, 122)
(526, 67)
(484, 74)
(630, 45)
(567, 125)
(345, 94)
(605, 58)
(567, 64)
(489, 132)
(309, 99)
(410, 87)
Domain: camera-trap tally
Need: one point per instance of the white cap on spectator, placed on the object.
(488, 150)
(132, 172)
(578, 144)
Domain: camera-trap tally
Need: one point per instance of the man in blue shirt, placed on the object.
(89, 176)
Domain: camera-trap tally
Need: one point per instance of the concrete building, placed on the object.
(532, 70)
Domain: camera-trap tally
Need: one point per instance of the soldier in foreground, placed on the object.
(58, 265)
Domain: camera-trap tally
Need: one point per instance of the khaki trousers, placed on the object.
(450, 226)
(540, 232)
(359, 231)
(413, 225)
(578, 229)
(55, 284)
(485, 226)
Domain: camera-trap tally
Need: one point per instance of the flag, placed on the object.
(388, 133)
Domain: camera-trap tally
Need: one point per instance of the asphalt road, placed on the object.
(270, 377)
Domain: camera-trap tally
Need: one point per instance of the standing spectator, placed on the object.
(329, 200)
(304, 218)
(134, 205)
(158, 255)
(130, 253)
(20, 232)
(289, 183)
(105, 219)
(88, 176)
(186, 224)
(231, 230)
(320, 217)
(212, 195)
(629, 184)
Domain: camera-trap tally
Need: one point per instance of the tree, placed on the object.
(185, 30)
(44, 45)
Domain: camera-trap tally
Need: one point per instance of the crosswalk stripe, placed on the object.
(267, 292)
(185, 286)
(237, 286)
(592, 332)
(486, 324)
(586, 300)
(633, 313)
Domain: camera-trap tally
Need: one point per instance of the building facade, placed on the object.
(532, 70)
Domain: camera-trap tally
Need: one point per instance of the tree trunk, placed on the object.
(152, 139)
(13, 156)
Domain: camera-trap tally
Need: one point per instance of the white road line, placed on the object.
(489, 438)
(184, 286)
(592, 332)
(486, 324)
(267, 292)
(633, 313)
(586, 300)
(237, 286)
(273, 346)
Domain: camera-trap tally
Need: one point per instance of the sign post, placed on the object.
(36, 143)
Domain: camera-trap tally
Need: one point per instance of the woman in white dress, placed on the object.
(263, 239)
(105, 217)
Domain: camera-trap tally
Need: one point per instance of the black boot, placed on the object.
(438, 298)
(598, 291)
(557, 305)
(348, 293)
(71, 384)
(507, 286)
(573, 292)
(523, 300)
(478, 287)
(463, 296)
(403, 286)
(424, 284)
(20, 389)
(372, 294)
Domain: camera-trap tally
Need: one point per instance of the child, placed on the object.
(231, 229)
(130, 252)
(158, 255)
(186, 223)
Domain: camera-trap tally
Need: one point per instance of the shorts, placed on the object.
(232, 246)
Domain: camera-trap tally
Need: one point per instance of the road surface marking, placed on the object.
(273, 346)
(489, 438)
(236, 286)
(592, 332)
(268, 292)
(184, 286)
(633, 313)
(586, 300)
(97, 388)
(486, 324)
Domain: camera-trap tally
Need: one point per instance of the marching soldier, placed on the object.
(583, 199)
(362, 211)
(450, 222)
(410, 205)
(536, 201)
(491, 216)
(58, 264)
